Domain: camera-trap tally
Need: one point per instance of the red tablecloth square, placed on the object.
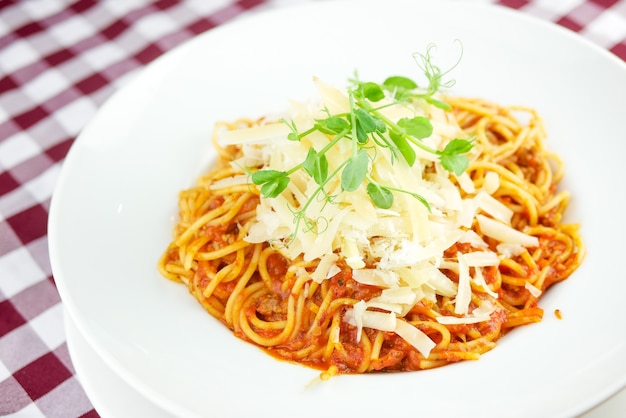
(38, 384)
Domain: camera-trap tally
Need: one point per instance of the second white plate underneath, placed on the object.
(110, 395)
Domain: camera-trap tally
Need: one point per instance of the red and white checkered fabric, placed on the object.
(59, 61)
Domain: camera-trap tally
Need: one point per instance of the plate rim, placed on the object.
(189, 44)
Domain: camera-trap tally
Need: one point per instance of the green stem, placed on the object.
(353, 123)
(332, 143)
(328, 146)
(300, 214)
(394, 126)
(307, 132)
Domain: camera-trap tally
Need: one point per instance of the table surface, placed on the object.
(59, 61)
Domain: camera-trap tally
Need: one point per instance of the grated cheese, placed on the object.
(360, 318)
(472, 238)
(257, 134)
(480, 314)
(327, 261)
(532, 289)
(505, 233)
(492, 182)
(415, 337)
(479, 280)
(493, 207)
(481, 259)
(230, 181)
(466, 183)
(375, 277)
(356, 319)
(510, 249)
(400, 249)
(464, 293)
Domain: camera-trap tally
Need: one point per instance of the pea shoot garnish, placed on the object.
(370, 131)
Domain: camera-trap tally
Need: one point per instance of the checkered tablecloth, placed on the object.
(59, 61)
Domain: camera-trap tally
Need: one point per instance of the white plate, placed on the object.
(115, 204)
(112, 397)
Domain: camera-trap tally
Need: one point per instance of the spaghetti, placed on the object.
(336, 315)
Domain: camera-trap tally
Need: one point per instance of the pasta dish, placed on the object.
(386, 227)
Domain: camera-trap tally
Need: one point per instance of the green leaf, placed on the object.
(457, 146)
(399, 82)
(452, 158)
(361, 135)
(367, 121)
(372, 91)
(275, 187)
(381, 126)
(334, 124)
(316, 165)
(455, 163)
(272, 182)
(402, 87)
(380, 195)
(438, 103)
(355, 171)
(403, 146)
(419, 126)
(263, 176)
